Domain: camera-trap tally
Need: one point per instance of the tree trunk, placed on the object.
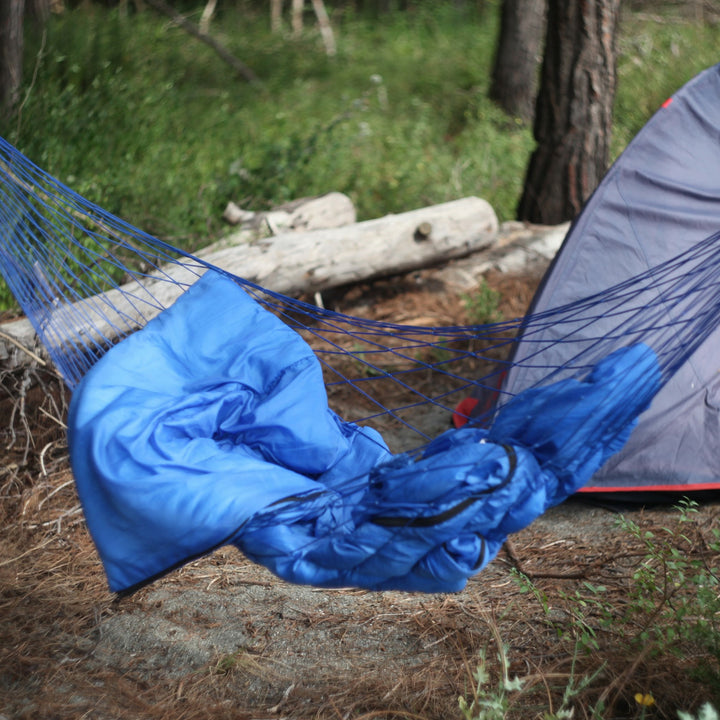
(296, 18)
(39, 11)
(206, 17)
(573, 117)
(326, 31)
(11, 50)
(517, 56)
(276, 15)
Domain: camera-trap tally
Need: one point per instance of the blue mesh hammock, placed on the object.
(202, 408)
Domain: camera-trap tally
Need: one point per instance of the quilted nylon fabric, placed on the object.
(211, 426)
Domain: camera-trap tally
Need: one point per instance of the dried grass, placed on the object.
(403, 656)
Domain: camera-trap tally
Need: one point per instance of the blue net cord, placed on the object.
(86, 280)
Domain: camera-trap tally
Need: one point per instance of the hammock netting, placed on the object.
(205, 408)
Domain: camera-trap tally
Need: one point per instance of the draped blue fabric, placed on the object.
(210, 426)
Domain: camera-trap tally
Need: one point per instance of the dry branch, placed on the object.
(325, 28)
(207, 13)
(238, 65)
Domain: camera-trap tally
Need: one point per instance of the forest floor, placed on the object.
(223, 638)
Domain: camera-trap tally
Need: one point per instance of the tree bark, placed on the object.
(326, 31)
(276, 15)
(517, 56)
(296, 18)
(573, 117)
(11, 50)
(39, 11)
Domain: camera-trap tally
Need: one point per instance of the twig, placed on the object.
(32, 82)
(24, 385)
(53, 418)
(10, 561)
(20, 346)
(42, 458)
(60, 487)
(58, 520)
(520, 567)
(276, 708)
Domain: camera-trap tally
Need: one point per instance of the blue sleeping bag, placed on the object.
(210, 426)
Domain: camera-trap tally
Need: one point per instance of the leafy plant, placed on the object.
(675, 596)
(490, 702)
(492, 699)
(482, 305)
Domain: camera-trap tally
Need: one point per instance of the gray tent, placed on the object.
(660, 198)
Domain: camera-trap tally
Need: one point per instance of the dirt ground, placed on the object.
(223, 638)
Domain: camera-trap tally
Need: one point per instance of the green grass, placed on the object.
(663, 614)
(150, 124)
(153, 126)
(657, 55)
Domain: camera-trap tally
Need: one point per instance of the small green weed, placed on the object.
(227, 663)
(493, 699)
(591, 613)
(675, 597)
(482, 305)
(668, 614)
(490, 702)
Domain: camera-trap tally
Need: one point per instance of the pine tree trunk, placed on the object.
(276, 15)
(298, 7)
(574, 110)
(517, 56)
(39, 11)
(11, 50)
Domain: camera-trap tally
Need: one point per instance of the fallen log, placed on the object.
(292, 264)
(315, 261)
(314, 213)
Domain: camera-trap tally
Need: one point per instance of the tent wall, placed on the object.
(660, 198)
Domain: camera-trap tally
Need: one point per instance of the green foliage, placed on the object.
(492, 699)
(669, 611)
(657, 55)
(590, 613)
(153, 126)
(675, 598)
(483, 305)
(150, 124)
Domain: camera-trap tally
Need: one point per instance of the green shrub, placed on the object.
(150, 124)
(675, 597)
